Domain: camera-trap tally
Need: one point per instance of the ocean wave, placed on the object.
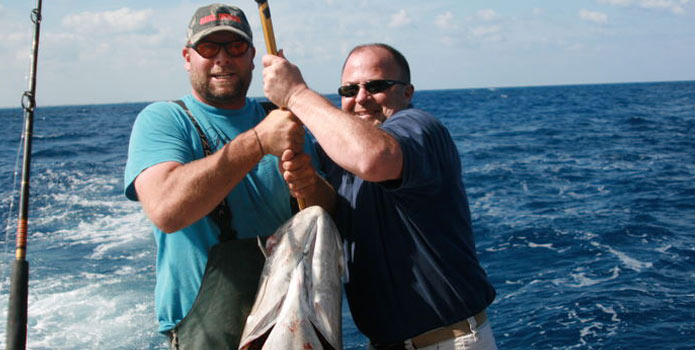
(626, 260)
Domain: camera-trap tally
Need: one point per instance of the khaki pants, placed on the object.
(481, 339)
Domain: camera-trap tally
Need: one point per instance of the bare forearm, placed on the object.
(174, 197)
(322, 194)
(355, 144)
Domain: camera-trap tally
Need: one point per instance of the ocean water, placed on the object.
(583, 203)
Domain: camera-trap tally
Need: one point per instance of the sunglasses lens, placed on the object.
(375, 86)
(236, 48)
(348, 90)
(207, 49)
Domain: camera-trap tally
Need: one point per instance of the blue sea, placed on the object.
(583, 204)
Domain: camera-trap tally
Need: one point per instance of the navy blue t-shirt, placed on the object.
(411, 252)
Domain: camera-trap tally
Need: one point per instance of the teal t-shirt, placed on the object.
(259, 203)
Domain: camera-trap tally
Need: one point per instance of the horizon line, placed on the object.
(423, 90)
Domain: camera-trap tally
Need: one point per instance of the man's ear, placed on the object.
(186, 58)
(408, 92)
(253, 55)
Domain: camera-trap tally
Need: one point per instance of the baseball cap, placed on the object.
(218, 17)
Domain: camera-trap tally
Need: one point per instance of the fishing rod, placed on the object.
(16, 335)
(270, 45)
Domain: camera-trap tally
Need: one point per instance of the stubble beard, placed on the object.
(220, 93)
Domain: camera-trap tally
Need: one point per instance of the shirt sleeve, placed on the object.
(160, 134)
(427, 150)
(313, 149)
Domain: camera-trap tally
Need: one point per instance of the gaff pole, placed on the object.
(19, 281)
(270, 45)
(267, 24)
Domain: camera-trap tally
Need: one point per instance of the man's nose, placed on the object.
(223, 55)
(362, 94)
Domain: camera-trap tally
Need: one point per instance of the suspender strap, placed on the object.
(221, 215)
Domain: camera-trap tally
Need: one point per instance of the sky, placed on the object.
(95, 52)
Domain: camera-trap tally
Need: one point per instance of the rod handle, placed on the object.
(17, 310)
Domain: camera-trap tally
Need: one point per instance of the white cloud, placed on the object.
(400, 19)
(592, 16)
(447, 41)
(13, 38)
(578, 47)
(445, 20)
(119, 21)
(487, 14)
(485, 30)
(675, 6)
(14, 41)
(617, 2)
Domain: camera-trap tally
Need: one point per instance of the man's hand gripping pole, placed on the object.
(269, 36)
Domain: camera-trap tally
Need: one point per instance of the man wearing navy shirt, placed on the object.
(414, 278)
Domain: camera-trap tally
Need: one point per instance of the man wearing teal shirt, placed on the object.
(208, 265)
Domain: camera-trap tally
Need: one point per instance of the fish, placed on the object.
(298, 303)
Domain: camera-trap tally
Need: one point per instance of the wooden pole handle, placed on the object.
(269, 36)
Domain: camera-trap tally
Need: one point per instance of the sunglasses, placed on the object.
(372, 86)
(210, 49)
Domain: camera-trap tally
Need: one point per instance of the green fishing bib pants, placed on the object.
(217, 317)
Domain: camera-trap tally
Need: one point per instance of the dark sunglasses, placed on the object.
(372, 86)
(210, 49)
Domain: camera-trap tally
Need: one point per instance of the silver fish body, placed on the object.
(298, 304)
